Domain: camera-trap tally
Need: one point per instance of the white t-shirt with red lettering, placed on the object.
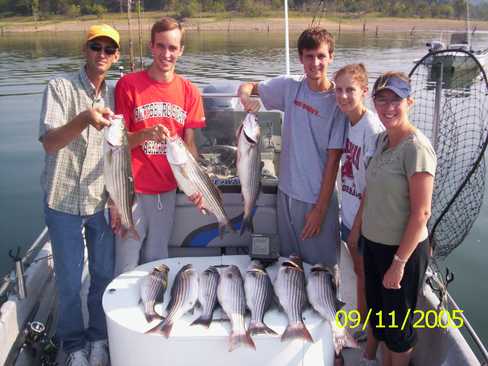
(145, 102)
(359, 147)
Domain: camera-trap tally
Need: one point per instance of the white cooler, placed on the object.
(197, 345)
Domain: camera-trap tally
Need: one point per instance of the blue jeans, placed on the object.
(65, 231)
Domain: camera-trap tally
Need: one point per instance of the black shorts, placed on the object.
(377, 260)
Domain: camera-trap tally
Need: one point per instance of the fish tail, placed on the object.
(247, 224)
(156, 329)
(257, 327)
(133, 232)
(166, 328)
(240, 339)
(202, 320)
(222, 226)
(294, 331)
(163, 328)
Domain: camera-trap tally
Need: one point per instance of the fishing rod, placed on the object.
(132, 65)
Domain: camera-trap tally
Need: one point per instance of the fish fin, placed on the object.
(339, 304)
(342, 338)
(247, 224)
(151, 317)
(201, 320)
(235, 340)
(294, 331)
(238, 132)
(160, 298)
(259, 328)
(166, 328)
(156, 329)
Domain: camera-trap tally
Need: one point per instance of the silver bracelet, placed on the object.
(398, 259)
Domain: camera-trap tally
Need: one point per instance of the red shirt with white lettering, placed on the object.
(145, 102)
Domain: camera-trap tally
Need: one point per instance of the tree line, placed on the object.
(453, 9)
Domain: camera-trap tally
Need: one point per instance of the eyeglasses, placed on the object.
(97, 47)
(383, 102)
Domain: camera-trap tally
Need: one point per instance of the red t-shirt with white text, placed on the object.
(145, 102)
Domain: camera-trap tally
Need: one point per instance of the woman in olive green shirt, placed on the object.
(395, 211)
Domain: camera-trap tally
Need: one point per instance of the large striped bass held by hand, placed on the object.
(184, 296)
(117, 171)
(192, 179)
(290, 289)
(249, 166)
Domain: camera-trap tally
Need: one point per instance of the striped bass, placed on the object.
(207, 295)
(230, 293)
(322, 294)
(259, 295)
(117, 171)
(290, 289)
(152, 289)
(249, 166)
(184, 295)
(192, 179)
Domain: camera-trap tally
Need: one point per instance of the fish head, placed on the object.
(162, 268)
(231, 271)
(251, 129)
(176, 151)
(115, 134)
(210, 271)
(293, 262)
(255, 265)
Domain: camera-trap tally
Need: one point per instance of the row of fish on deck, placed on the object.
(223, 285)
(190, 176)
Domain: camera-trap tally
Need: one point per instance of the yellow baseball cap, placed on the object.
(103, 30)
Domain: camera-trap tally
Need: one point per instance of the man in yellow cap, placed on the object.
(74, 112)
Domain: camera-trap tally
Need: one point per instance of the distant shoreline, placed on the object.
(369, 25)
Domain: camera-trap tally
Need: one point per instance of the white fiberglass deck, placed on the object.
(196, 345)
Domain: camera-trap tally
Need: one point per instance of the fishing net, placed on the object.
(450, 90)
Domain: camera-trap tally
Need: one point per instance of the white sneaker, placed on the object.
(99, 353)
(77, 358)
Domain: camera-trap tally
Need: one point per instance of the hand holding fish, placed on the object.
(250, 104)
(98, 117)
(157, 133)
(313, 223)
(197, 199)
(394, 275)
(115, 220)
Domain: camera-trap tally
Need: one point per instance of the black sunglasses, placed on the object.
(97, 47)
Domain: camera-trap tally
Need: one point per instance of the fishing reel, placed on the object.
(39, 344)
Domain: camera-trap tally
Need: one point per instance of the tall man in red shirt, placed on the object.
(155, 102)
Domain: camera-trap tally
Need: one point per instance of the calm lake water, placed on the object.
(27, 62)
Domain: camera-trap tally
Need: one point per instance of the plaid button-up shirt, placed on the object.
(72, 178)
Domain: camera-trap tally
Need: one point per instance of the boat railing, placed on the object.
(439, 286)
(13, 280)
